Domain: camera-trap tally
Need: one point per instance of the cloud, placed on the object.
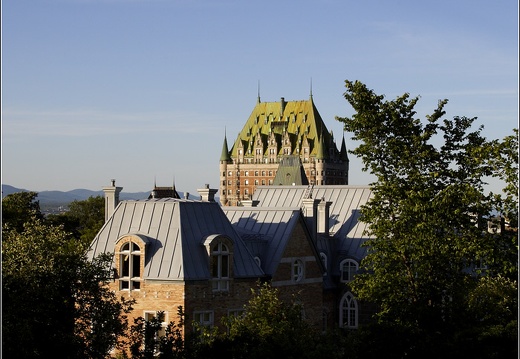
(84, 123)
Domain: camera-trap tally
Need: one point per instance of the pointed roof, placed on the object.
(225, 152)
(300, 119)
(290, 172)
(343, 155)
(322, 153)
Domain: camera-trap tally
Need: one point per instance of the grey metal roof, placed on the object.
(265, 231)
(345, 227)
(175, 230)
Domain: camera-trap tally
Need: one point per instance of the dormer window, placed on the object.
(348, 269)
(130, 256)
(220, 267)
(220, 251)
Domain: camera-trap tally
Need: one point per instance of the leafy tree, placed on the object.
(84, 219)
(55, 302)
(270, 328)
(423, 216)
(147, 339)
(18, 208)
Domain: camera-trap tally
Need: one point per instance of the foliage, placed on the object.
(54, 299)
(18, 208)
(423, 215)
(147, 339)
(84, 219)
(504, 161)
(268, 328)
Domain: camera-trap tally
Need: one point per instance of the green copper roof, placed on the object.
(290, 172)
(299, 120)
(225, 152)
(321, 154)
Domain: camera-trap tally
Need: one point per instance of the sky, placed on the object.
(143, 91)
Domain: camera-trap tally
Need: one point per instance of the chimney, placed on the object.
(207, 194)
(186, 195)
(282, 106)
(323, 216)
(111, 199)
(310, 211)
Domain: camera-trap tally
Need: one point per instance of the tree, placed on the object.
(18, 208)
(84, 219)
(423, 215)
(270, 327)
(55, 302)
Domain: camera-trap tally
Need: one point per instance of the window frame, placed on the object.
(297, 270)
(350, 273)
(348, 307)
(130, 260)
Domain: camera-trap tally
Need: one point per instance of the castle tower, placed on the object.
(224, 175)
(273, 132)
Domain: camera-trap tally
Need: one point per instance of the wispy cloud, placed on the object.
(83, 123)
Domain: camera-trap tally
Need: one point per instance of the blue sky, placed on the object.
(143, 91)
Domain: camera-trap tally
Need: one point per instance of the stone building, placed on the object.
(171, 252)
(289, 133)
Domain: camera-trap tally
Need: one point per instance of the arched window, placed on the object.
(348, 311)
(348, 269)
(220, 266)
(297, 270)
(130, 266)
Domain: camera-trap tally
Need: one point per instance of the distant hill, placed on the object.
(50, 201)
(60, 197)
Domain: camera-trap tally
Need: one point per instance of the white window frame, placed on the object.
(221, 266)
(130, 281)
(204, 318)
(348, 311)
(347, 275)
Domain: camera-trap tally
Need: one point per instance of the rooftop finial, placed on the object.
(311, 88)
(258, 91)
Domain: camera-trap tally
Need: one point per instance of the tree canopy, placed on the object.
(55, 301)
(427, 238)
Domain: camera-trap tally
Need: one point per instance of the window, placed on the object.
(348, 269)
(297, 270)
(348, 311)
(246, 173)
(203, 318)
(159, 316)
(220, 267)
(130, 266)
(230, 173)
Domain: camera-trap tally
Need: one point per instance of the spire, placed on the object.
(321, 154)
(343, 153)
(225, 151)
